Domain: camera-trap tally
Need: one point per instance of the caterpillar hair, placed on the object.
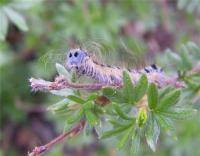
(84, 64)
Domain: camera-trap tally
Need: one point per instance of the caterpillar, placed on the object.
(84, 64)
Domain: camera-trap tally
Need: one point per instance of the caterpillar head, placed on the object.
(75, 58)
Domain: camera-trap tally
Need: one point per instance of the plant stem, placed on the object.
(37, 151)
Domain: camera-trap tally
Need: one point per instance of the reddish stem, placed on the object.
(37, 151)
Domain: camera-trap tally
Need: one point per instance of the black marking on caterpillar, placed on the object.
(154, 66)
(129, 70)
(146, 70)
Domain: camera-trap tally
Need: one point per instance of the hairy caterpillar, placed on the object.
(84, 64)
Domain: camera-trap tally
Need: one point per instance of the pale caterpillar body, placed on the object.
(84, 64)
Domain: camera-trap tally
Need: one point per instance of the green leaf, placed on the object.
(164, 122)
(125, 137)
(152, 132)
(59, 105)
(128, 89)
(91, 118)
(152, 96)
(116, 123)
(115, 131)
(16, 18)
(88, 105)
(62, 71)
(76, 99)
(120, 112)
(179, 113)
(164, 91)
(140, 88)
(135, 142)
(92, 97)
(169, 99)
(3, 25)
(192, 84)
(113, 95)
(167, 124)
(75, 117)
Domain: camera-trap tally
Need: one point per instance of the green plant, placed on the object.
(136, 112)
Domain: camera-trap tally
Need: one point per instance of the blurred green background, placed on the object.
(34, 34)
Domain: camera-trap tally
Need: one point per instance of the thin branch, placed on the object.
(61, 83)
(37, 151)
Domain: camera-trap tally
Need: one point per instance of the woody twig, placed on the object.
(37, 151)
(61, 83)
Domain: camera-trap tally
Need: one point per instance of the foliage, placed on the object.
(156, 109)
